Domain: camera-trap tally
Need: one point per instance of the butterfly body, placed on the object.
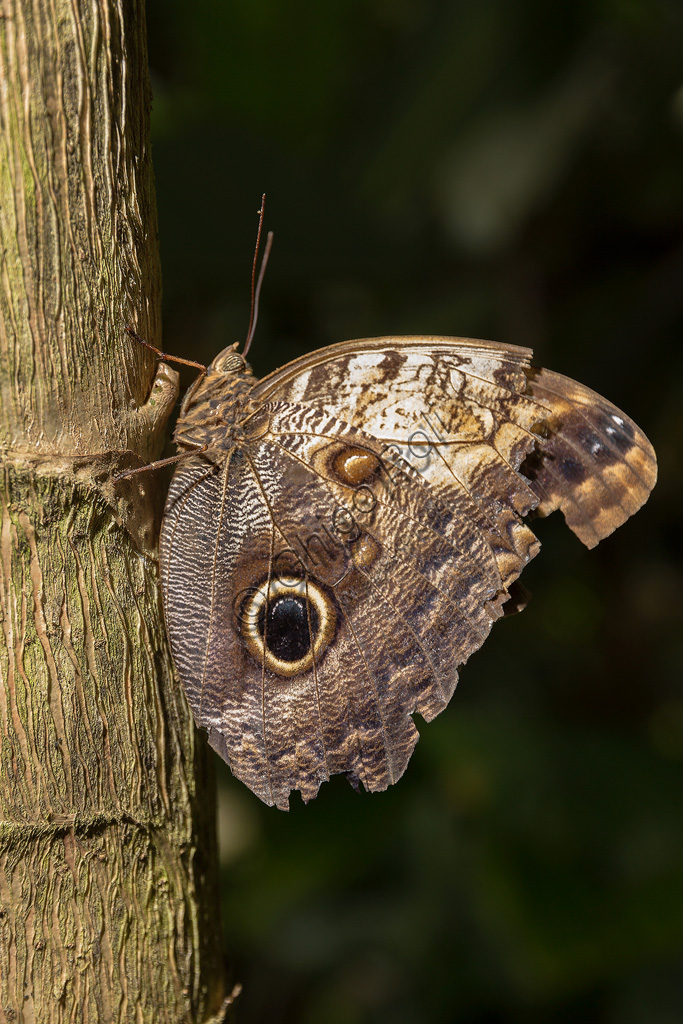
(351, 531)
(214, 406)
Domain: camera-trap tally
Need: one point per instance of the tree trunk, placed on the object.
(108, 873)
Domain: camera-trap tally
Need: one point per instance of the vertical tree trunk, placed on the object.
(108, 882)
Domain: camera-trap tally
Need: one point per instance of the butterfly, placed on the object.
(341, 535)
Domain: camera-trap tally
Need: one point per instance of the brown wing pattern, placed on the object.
(411, 585)
(453, 408)
(588, 458)
(593, 463)
(325, 577)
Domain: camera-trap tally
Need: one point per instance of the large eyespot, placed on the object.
(287, 624)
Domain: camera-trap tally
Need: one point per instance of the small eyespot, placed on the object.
(365, 551)
(353, 466)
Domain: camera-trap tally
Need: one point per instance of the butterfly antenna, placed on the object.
(257, 293)
(256, 284)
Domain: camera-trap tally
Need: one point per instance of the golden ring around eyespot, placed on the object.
(256, 604)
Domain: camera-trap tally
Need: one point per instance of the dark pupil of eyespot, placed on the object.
(287, 634)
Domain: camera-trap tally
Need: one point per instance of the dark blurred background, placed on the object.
(507, 169)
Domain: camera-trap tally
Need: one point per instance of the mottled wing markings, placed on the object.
(284, 777)
(407, 501)
(190, 489)
(266, 752)
(380, 771)
(462, 388)
(225, 474)
(290, 773)
(408, 701)
(324, 374)
(271, 773)
(595, 464)
(365, 775)
(430, 642)
(550, 398)
(468, 569)
(417, 574)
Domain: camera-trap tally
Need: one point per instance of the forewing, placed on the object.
(477, 415)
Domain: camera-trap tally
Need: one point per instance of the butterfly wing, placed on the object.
(325, 582)
(593, 462)
(587, 458)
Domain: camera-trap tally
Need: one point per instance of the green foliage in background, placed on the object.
(507, 169)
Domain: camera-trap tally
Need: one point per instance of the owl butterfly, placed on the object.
(342, 534)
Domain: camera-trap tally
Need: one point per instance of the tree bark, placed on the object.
(108, 871)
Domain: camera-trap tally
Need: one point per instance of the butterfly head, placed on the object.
(229, 361)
